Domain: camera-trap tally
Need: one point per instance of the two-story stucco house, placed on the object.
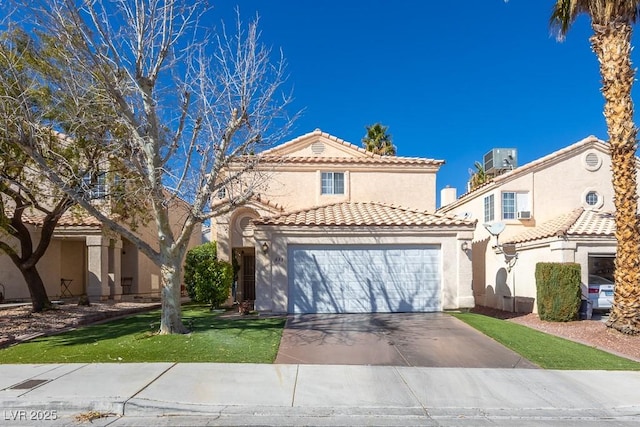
(554, 209)
(340, 229)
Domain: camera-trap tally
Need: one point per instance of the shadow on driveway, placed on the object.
(392, 339)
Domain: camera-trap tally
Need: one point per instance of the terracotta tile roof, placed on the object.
(367, 158)
(578, 222)
(363, 214)
(76, 217)
(594, 223)
(378, 160)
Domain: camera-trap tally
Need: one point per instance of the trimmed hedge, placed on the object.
(558, 291)
(206, 278)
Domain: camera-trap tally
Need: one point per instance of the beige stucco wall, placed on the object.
(49, 268)
(299, 188)
(272, 284)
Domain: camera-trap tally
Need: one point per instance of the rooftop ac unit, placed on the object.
(500, 159)
(524, 215)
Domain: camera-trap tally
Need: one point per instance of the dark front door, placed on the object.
(248, 277)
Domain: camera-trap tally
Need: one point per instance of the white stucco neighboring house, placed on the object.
(555, 209)
(339, 229)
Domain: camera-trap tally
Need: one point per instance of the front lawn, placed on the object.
(213, 339)
(547, 351)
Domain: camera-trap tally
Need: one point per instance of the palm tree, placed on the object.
(378, 141)
(612, 21)
(478, 177)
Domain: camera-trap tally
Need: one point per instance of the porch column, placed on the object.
(223, 238)
(97, 268)
(563, 251)
(464, 243)
(115, 272)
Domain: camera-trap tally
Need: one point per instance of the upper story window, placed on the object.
(591, 198)
(515, 205)
(95, 185)
(332, 183)
(489, 208)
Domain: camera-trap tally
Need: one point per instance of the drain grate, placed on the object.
(28, 384)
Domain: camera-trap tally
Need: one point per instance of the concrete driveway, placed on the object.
(398, 339)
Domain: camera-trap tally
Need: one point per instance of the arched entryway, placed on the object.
(243, 253)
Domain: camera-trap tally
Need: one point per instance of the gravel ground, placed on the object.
(19, 324)
(593, 333)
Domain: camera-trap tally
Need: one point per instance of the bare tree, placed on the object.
(24, 200)
(182, 105)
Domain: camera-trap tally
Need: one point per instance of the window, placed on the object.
(222, 193)
(508, 205)
(513, 202)
(489, 205)
(332, 183)
(592, 198)
(94, 185)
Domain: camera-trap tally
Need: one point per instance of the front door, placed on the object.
(248, 277)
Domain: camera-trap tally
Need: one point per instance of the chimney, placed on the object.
(448, 195)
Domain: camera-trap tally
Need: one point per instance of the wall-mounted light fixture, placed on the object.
(465, 246)
(265, 248)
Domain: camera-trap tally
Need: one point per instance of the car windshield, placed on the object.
(598, 280)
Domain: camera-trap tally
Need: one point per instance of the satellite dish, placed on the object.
(495, 228)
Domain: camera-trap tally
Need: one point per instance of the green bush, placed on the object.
(558, 291)
(206, 278)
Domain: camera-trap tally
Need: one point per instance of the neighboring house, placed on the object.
(85, 257)
(555, 209)
(340, 229)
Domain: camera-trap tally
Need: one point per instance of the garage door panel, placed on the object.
(345, 279)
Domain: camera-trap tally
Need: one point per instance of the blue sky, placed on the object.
(451, 79)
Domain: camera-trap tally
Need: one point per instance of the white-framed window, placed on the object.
(95, 186)
(592, 199)
(489, 208)
(332, 183)
(514, 202)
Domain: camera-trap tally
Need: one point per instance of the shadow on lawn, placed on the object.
(146, 325)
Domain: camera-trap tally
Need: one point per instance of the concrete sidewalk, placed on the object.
(246, 394)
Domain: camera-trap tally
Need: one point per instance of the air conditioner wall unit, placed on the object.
(524, 214)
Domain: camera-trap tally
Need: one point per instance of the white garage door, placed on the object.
(364, 279)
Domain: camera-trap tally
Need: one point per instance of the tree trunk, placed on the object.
(612, 45)
(171, 317)
(39, 299)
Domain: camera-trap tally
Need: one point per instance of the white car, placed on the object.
(600, 292)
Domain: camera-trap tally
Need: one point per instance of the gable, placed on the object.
(318, 144)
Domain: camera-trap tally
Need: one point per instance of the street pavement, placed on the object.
(198, 394)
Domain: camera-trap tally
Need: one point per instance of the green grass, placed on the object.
(547, 351)
(213, 339)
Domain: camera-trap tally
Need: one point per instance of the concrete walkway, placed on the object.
(253, 394)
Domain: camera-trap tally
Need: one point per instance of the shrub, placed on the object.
(206, 278)
(558, 291)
